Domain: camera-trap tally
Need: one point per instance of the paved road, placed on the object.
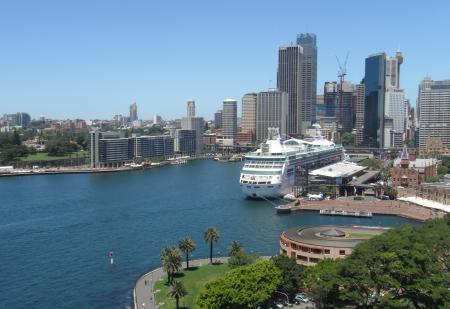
(143, 293)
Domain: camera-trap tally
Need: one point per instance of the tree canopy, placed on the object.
(244, 287)
(407, 267)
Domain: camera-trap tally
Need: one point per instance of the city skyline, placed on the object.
(107, 55)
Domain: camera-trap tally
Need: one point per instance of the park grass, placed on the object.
(43, 156)
(193, 280)
(357, 235)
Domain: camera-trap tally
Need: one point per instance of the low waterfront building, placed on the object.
(309, 245)
(185, 142)
(410, 172)
(108, 149)
(153, 146)
(334, 178)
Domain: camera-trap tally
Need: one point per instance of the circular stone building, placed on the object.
(308, 245)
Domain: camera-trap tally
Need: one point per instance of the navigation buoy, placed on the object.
(111, 257)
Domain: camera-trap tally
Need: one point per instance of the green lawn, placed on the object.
(359, 235)
(193, 280)
(43, 156)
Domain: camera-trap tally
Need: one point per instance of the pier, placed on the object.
(369, 205)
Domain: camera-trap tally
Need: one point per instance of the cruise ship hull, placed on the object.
(265, 191)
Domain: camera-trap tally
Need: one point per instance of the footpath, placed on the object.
(144, 294)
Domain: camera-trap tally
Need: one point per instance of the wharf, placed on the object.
(372, 205)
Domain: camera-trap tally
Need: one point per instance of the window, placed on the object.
(302, 258)
(341, 252)
(313, 260)
(327, 251)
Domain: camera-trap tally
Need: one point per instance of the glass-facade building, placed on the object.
(374, 100)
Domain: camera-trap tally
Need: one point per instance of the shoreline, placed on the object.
(87, 170)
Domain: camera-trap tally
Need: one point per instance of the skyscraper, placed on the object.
(375, 88)
(330, 98)
(190, 105)
(434, 115)
(248, 121)
(229, 120)
(133, 112)
(358, 105)
(383, 97)
(289, 79)
(309, 77)
(194, 123)
(218, 119)
(271, 112)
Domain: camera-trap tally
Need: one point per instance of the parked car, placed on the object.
(302, 297)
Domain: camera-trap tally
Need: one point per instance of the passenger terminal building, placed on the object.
(309, 245)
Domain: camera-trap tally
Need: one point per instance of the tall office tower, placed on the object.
(271, 112)
(358, 105)
(434, 117)
(197, 124)
(190, 105)
(218, 119)
(289, 79)
(309, 77)
(133, 112)
(229, 120)
(396, 110)
(248, 120)
(157, 119)
(320, 106)
(375, 88)
(330, 97)
(382, 82)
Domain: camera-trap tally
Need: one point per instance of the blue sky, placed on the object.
(91, 59)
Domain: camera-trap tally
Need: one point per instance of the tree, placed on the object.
(177, 291)
(348, 139)
(211, 235)
(432, 179)
(243, 287)
(292, 273)
(240, 258)
(410, 143)
(442, 170)
(323, 281)
(171, 261)
(391, 192)
(235, 247)
(373, 163)
(187, 245)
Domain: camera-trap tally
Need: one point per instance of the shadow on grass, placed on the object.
(191, 268)
(178, 275)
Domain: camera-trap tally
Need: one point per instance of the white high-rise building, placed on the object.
(434, 111)
(194, 123)
(395, 109)
(271, 112)
(248, 121)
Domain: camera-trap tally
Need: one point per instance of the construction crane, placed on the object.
(341, 74)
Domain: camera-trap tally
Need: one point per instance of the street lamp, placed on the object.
(287, 297)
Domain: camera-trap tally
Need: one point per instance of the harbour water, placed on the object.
(56, 231)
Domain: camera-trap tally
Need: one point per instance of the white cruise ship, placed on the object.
(270, 171)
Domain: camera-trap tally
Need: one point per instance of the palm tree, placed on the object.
(211, 235)
(171, 261)
(235, 247)
(177, 291)
(187, 245)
